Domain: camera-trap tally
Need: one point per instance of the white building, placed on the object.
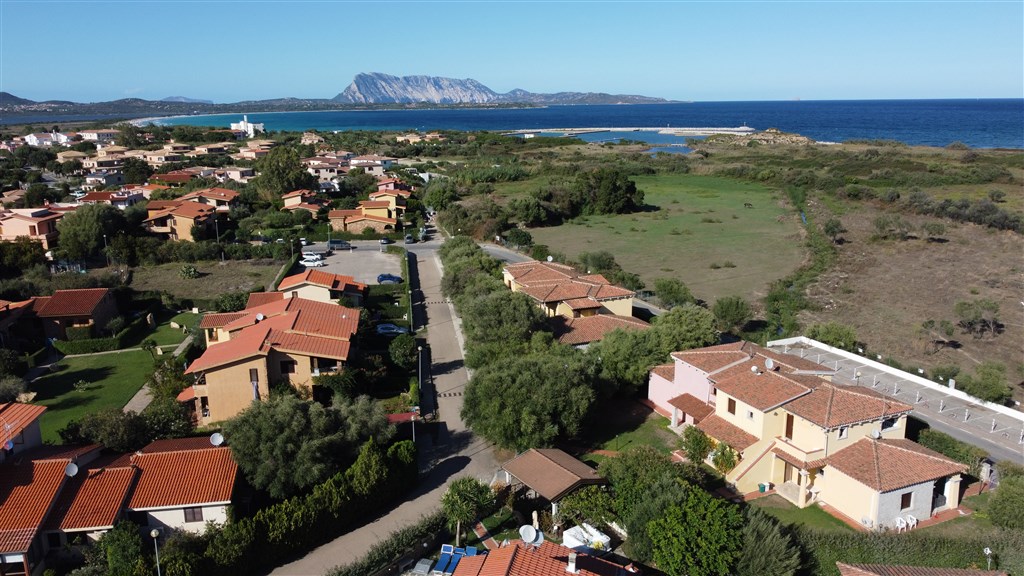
(249, 128)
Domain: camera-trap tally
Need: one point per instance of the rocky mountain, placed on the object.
(377, 88)
(186, 100)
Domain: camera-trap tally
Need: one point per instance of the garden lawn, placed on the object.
(112, 380)
(164, 335)
(652, 432)
(812, 516)
(698, 230)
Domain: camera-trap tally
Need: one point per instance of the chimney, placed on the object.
(571, 567)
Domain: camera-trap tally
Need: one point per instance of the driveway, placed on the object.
(447, 449)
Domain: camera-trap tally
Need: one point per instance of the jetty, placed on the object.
(679, 131)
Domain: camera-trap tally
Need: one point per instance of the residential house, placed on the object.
(235, 173)
(392, 185)
(373, 164)
(562, 291)
(302, 200)
(357, 220)
(38, 224)
(547, 559)
(551, 474)
(71, 155)
(157, 158)
(81, 309)
(121, 199)
(313, 284)
(163, 498)
(290, 339)
(178, 147)
(250, 154)
(114, 150)
(39, 140)
(146, 190)
(396, 200)
(99, 135)
(175, 219)
(207, 149)
(104, 179)
(222, 199)
(311, 138)
(90, 503)
(816, 440)
(327, 172)
(19, 429)
(112, 162)
(13, 196)
(172, 179)
(580, 332)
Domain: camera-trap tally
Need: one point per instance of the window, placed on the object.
(906, 500)
(714, 391)
(193, 514)
(254, 375)
(750, 414)
(287, 367)
(844, 432)
(731, 406)
(889, 423)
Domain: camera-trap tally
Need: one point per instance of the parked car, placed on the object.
(409, 239)
(386, 240)
(388, 279)
(339, 245)
(303, 242)
(391, 330)
(313, 263)
(311, 256)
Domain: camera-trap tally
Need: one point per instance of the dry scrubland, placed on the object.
(216, 278)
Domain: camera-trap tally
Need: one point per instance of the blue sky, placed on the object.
(702, 51)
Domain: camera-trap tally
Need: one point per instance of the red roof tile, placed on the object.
(891, 464)
(831, 406)
(588, 329)
(327, 280)
(79, 302)
(93, 499)
(220, 319)
(720, 429)
(551, 473)
(519, 559)
(261, 298)
(763, 389)
(183, 478)
(17, 416)
(689, 404)
(27, 490)
(666, 371)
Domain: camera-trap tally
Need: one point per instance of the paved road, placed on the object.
(1002, 436)
(448, 450)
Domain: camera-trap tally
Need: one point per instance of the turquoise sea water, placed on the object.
(986, 123)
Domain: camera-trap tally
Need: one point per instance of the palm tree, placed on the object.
(464, 502)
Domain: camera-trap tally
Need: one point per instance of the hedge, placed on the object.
(286, 529)
(285, 270)
(948, 446)
(400, 547)
(824, 549)
(132, 333)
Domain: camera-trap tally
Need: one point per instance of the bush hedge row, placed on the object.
(400, 547)
(132, 334)
(291, 527)
(948, 446)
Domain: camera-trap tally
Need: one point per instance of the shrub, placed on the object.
(188, 271)
(10, 388)
(956, 450)
(408, 541)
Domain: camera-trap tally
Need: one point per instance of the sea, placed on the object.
(979, 123)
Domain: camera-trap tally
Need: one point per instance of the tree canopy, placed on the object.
(465, 500)
(285, 445)
(82, 231)
(699, 536)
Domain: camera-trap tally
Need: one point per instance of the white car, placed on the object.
(313, 263)
(311, 256)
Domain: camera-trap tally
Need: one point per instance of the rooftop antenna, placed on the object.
(216, 438)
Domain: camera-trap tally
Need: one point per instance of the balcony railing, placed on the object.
(799, 454)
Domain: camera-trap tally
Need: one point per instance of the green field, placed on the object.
(700, 232)
(164, 335)
(112, 380)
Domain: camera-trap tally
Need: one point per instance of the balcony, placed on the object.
(797, 455)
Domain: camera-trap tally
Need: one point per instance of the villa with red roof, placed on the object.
(288, 338)
(302, 200)
(176, 219)
(19, 428)
(82, 308)
(313, 284)
(816, 440)
(39, 224)
(584, 307)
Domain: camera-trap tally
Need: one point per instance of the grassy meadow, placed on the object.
(215, 278)
(698, 230)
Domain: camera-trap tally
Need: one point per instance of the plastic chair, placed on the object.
(901, 524)
(911, 522)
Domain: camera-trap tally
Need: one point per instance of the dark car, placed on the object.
(391, 330)
(389, 279)
(386, 240)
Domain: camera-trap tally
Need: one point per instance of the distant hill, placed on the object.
(377, 88)
(186, 100)
(8, 99)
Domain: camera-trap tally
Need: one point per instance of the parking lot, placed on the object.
(364, 261)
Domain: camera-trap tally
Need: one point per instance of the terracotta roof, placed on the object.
(831, 406)
(96, 197)
(220, 319)
(294, 193)
(186, 395)
(335, 214)
(212, 193)
(178, 178)
(891, 464)
(193, 210)
(308, 344)
(174, 444)
(260, 298)
(713, 358)
(93, 499)
(371, 217)
(18, 416)
(552, 282)
(375, 204)
(666, 371)
(587, 303)
(799, 462)
(764, 389)
(323, 279)
(79, 302)
(692, 406)
(519, 559)
(723, 431)
(593, 328)
(892, 570)
(183, 478)
(551, 473)
(27, 491)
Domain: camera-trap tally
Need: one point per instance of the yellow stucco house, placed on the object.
(562, 291)
(815, 441)
(288, 339)
(313, 284)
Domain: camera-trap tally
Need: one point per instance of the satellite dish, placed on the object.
(769, 364)
(753, 369)
(71, 469)
(876, 434)
(531, 535)
(9, 445)
(551, 258)
(216, 438)
(260, 317)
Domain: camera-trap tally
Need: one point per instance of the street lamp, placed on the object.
(988, 556)
(106, 250)
(155, 533)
